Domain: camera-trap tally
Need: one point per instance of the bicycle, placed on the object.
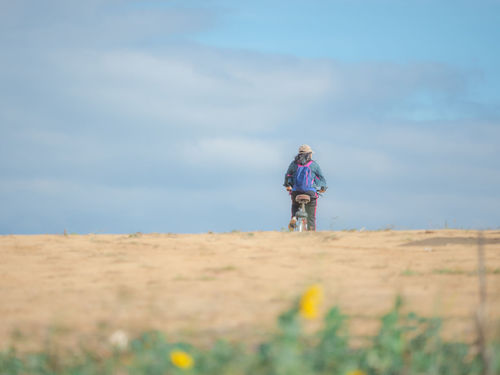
(299, 221)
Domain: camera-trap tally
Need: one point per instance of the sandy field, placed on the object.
(81, 288)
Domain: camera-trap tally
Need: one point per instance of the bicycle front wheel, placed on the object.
(302, 225)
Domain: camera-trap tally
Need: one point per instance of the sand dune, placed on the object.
(233, 285)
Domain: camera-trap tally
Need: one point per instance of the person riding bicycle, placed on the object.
(304, 176)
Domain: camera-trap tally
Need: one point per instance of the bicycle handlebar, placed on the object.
(320, 191)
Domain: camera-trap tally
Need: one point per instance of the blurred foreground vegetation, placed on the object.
(406, 344)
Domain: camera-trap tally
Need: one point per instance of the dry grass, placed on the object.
(233, 285)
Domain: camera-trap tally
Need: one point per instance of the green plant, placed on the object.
(135, 235)
(405, 344)
(409, 272)
(451, 271)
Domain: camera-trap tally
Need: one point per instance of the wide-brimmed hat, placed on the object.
(305, 149)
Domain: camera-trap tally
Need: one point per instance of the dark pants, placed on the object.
(310, 209)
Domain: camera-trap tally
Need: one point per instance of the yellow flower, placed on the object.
(311, 301)
(356, 372)
(181, 359)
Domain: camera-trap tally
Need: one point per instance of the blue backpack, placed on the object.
(303, 180)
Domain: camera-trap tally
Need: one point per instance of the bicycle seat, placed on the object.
(302, 198)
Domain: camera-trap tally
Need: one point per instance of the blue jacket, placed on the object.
(319, 180)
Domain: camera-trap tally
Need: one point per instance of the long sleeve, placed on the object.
(289, 174)
(319, 179)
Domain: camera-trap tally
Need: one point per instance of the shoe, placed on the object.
(291, 225)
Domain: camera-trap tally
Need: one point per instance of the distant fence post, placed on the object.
(481, 313)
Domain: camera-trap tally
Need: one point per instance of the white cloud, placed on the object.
(94, 23)
(221, 91)
(357, 162)
(241, 155)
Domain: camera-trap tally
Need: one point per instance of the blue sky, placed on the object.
(182, 116)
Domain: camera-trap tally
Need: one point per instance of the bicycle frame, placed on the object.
(301, 215)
